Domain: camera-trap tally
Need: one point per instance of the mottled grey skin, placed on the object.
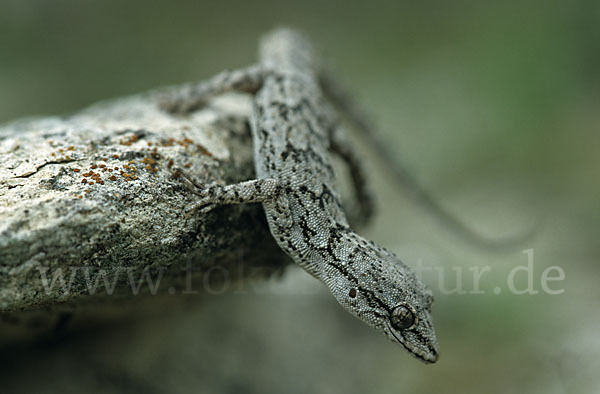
(295, 130)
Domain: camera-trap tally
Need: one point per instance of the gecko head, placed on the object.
(375, 286)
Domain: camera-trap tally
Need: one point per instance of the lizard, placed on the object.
(294, 131)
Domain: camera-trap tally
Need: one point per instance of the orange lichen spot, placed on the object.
(126, 166)
(68, 157)
(104, 159)
(110, 170)
(134, 138)
(94, 166)
(131, 162)
(149, 168)
(100, 182)
(116, 195)
(188, 165)
(76, 169)
(86, 174)
(149, 143)
(104, 170)
(80, 197)
(116, 168)
(87, 190)
(128, 179)
(71, 147)
(52, 154)
(113, 178)
(203, 150)
(155, 169)
(188, 141)
(170, 163)
(102, 165)
(90, 183)
(134, 177)
(115, 156)
(84, 181)
(61, 151)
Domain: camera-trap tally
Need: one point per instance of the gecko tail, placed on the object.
(449, 220)
(418, 194)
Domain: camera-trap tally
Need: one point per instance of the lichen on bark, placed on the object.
(97, 192)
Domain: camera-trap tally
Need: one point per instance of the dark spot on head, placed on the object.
(352, 293)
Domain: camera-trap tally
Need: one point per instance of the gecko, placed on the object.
(295, 129)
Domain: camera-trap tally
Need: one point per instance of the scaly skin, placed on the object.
(294, 129)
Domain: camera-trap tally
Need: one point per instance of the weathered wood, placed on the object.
(95, 194)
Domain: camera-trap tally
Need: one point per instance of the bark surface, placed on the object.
(95, 197)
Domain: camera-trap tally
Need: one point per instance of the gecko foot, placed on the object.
(201, 207)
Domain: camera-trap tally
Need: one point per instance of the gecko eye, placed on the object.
(403, 317)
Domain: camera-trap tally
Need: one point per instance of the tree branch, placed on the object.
(97, 193)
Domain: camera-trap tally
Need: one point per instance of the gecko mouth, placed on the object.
(426, 355)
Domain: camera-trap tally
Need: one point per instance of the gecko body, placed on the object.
(295, 130)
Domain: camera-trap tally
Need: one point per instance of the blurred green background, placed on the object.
(494, 106)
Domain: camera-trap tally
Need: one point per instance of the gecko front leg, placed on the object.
(213, 194)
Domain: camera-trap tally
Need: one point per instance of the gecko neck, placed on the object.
(343, 247)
